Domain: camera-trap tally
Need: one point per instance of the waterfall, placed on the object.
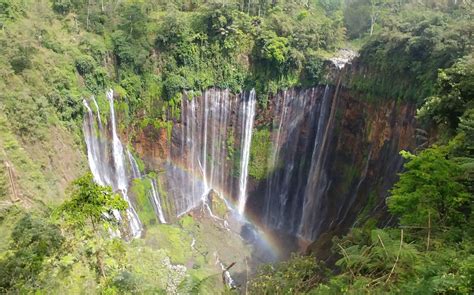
(303, 192)
(156, 202)
(317, 182)
(93, 152)
(248, 111)
(120, 176)
(134, 166)
(203, 161)
(227, 278)
(204, 127)
(213, 128)
(98, 111)
(300, 121)
(108, 172)
(97, 149)
(117, 149)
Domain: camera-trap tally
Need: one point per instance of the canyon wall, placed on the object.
(316, 158)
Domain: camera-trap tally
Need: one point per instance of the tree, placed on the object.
(34, 239)
(455, 94)
(10, 10)
(298, 275)
(356, 14)
(429, 191)
(376, 9)
(92, 205)
(274, 49)
(62, 6)
(91, 202)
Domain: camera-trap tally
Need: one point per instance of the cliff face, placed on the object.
(328, 155)
(335, 168)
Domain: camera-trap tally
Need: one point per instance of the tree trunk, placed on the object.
(372, 24)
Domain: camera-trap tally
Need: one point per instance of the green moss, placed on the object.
(144, 207)
(173, 239)
(230, 143)
(219, 207)
(259, 150)
(187, 222)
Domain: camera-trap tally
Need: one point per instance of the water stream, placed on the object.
(106, 160)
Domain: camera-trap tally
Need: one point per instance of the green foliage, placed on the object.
(89, 201)
(273, 49)
(29, 172)
(295, 276)
(10, 10)
(383, 261)
(33, 241)
(172, 239)
(314, 68)
(85, 64)
(430, 189)
(356, 18)
(402, 60)
(455, 93)
(149, 275)
(195, 285)
(28, 119)
(62, 6)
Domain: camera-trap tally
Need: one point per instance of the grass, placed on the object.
(40, 109)
(172, 239)
(29, 179)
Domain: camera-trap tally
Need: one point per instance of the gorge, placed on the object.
(236, 147)
(319, 151)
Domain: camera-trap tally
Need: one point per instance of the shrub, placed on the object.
(85, 64)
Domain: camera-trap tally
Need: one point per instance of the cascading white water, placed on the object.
(97, 149)
(228, 280)
(92, 148)
(200, 120)
(203, 160)
(105, 172)
(120, 176)
(98, 111)
(134, 166)
(153, 193)
(210, 132)
(248, 111)
(157, 202)
(210, 150)
(117, 149)
(316, 182)
(300, 122)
